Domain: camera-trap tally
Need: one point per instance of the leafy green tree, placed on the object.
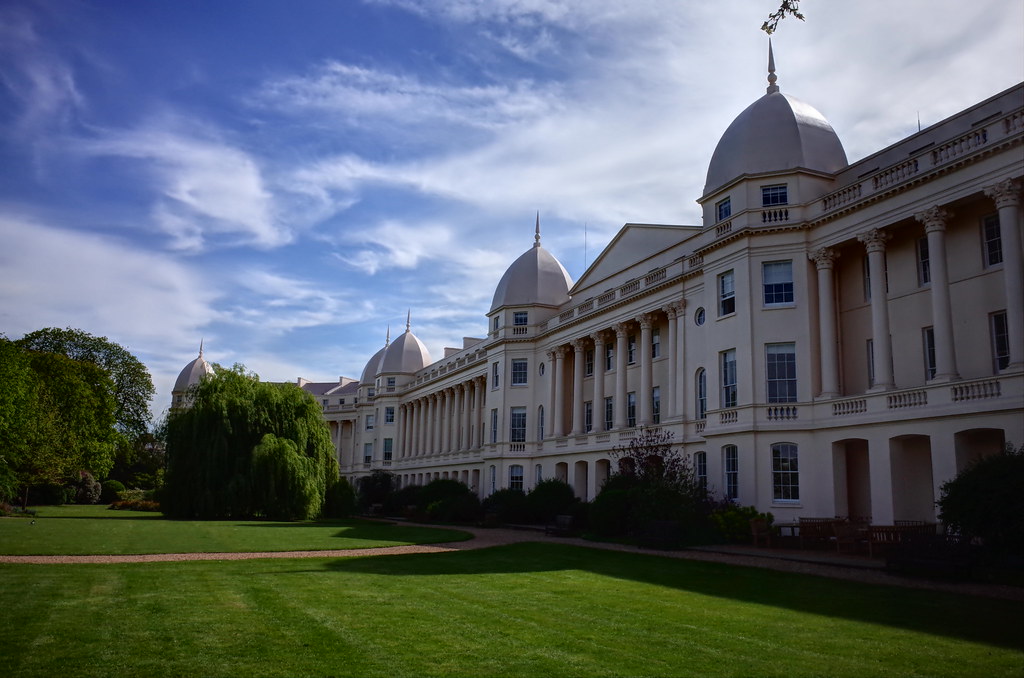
(133, 386)
(17, 414)
(986, 500)
(246, 449)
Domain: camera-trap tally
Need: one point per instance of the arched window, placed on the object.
(700, 468)
(702, 394)
(731, 467)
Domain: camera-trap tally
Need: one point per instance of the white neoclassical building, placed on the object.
(833, 339)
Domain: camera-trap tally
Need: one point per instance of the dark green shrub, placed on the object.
(508, 506)
(463, 508)
(136, 505)
(985, 500)
(340, 499)
(111, 490)
(609, 512)
(375, 488)
(51, 494)
(732, 522)
(548, 499)
(405, 502)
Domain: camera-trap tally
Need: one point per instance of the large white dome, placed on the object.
(192, 373)
(775, 133)
(405, 355)
(536, 278)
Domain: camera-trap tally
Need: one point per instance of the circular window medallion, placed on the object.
(698, 317)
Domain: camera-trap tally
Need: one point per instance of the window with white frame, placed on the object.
(515, 477)
(631, 409)
(924, 267)
(588, 362)
(540, 423)
(324, 402)
(494, 479)
(389, 415)
(656, 405)
(609, 357)
(389, 448)
(727, 361)
(517, 425)
(928, 348)
(726, 293)
(723, 209)
(700, 468)
(777, 277)
(495, 370)
(702, 394)
(371, 420)
(656, 342)
(780, 371)
(494, 425)
(520, 371)
(991, 240)
(520, 318)
(631, 349)
(367, 453)
(731, 466)
(785, 473)
(609, 413)
(538, 475)
(777, 194)
(497, 323)
(588, 416)
(1000, 332)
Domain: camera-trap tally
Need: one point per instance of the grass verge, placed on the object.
(65, 530)
(517, 610)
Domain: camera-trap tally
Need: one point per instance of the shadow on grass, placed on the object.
(377, 531)
(974, 619)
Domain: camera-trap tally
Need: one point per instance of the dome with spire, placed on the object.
(193, 372)
(405, 355)
(536, 278)
(372, 368)
(775, 133)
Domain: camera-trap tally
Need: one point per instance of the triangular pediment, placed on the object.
(634, 244)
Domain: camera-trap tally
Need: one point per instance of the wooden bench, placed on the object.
(883, 537)
(816, 531)
(760, 531)
(562, 527)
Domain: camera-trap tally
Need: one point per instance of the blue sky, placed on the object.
(285, 179)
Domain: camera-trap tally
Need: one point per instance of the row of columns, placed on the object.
(619, 333)
(1006, 195)
(450, 420)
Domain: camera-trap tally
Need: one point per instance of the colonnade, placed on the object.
(563, 401)
(448, 420)
(1006, 195)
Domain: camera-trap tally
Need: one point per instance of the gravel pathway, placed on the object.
(484, 538)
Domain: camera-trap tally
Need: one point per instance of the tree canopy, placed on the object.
(133, 386)
(247, 448)
(57, 418)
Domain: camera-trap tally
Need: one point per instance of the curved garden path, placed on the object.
(819, 565)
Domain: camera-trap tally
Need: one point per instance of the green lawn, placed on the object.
(97, 529)
(518, 610)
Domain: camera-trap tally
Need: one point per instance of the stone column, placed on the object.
(671, 312)
(598, 407)
(551, 395)
(621, 349)
(646, 325)
(824, 261)
(444, 419)
(481, 395)
(935, 220)
(417, 437)
(456, 443)
(557, 425)
(400, 427)
(1007, 198)
(874, 242)
(579, 346)
(431, 446)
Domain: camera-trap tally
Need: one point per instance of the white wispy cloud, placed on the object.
(203, 189)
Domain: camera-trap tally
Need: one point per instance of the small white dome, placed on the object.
(536, 278)
(405, 355)
(192, 373)
(372, 368)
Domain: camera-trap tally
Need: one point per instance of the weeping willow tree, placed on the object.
(247, 449)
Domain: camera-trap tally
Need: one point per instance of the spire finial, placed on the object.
(408, 320)
(200, 348)
(772, 78)
(536, 231)
(387, 337)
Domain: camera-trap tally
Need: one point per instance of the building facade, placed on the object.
(834, 339)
